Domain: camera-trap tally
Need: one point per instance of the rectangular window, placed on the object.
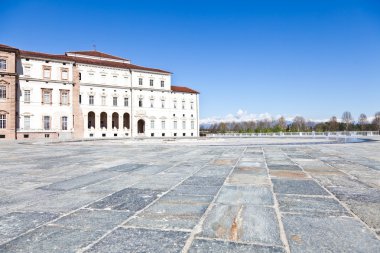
(3, 92)
(183, 124)
(163, 124)
(64, 74)
(91, 100)
(46, 122)
(103, 100)
(26, 96)
(46, 72)
(125, 102)
(3, 121)
(80, 99)
(183, 104)
(3, 64)
(192, 124)
(64, 123)
(27, 71)
(175, 105)
(162, 103)
(151, 103)
(175, 125)
(140, 103)
(64, 97)
(114, 101)
(46, 96)
(80, 76)
(152, 124)
(140, 81)
(162, 84)
(26, 122)
(151, 82)
(191, 105)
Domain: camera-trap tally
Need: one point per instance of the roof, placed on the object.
(97, 54)
(24, 53)
(115, 64)
(183, 89)
(6, 47)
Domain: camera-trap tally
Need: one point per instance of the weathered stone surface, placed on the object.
(302, 187)
(16, 223)
(129, 199)
(254, 195)
(244, 223)
(141, 240)
(212, 246)
(328, 234)
(149, 196)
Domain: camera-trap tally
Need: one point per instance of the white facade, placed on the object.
(116, 99)
(45, 102)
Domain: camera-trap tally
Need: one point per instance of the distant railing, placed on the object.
(298, 134)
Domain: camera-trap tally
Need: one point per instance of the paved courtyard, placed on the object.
(236, 195)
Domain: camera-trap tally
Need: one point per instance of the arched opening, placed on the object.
(141, 126)
(91, 120)
(126, 120)
(103, 120)
(115, 120)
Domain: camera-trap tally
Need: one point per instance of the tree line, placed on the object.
(298, 124)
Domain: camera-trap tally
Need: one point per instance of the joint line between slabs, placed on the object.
(197, 229)
(121, 225)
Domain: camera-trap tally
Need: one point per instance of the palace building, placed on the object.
(90, 94)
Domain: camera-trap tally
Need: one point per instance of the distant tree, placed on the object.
(281, 123)
(376, 121)
(347, 119)
(222, 127)
(321, 127)
(363, 121)
(299, 124)
(333, 124)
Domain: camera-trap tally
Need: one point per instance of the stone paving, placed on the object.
(228, 196)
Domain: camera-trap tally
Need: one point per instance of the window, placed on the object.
(125, 102)
(140, 102)
(140, 81)
(183, 104)
(91, 100)
(175, 125)
(27, 71)
(103, 76)
(192, 105)
(64, 97)
(64, 74)
(152, 124)
(3, 64)
(103, 100)
(3, 121)
(46, 72)
(46, 122)
(80, 76)
(26, 96)
(151, 103)
(46, 96)
(162, 103)
(3, 91)
(183, 124)
(175, 105)
(64, 123)
(192, 124)
(151, 82)
(47, 135)
(114, 101)
(163, 124)
(80, 99)
(162, 84)
(26, 122)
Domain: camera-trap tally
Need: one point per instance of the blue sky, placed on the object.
(247, 58)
